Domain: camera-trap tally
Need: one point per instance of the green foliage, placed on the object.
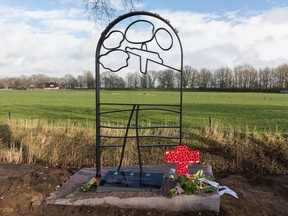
(191, 184)
(89, 185)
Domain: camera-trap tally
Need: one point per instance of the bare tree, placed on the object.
(166, 79)
(187, 77)
(105, 10)
(281, 76)
(147, 80)
(37, 80)
(14, 82)
(144, 81)
(89, 79)
(204, 78)
(253, 78)
(193, 82)
(4, 83)
(187, 74)
(111, 80)
(133, 80)
(70, 81)
(265, 78)
(152, 78)
(106, 79)
(223, 77)
(80, 80)
(245, 76)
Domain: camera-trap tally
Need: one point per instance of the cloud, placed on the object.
(45, 42)
(210, 40)
(61, 41)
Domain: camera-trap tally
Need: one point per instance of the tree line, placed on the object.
(240, 78)
(68, 81)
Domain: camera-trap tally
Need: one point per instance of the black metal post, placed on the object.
(137, 138)
(125, 137)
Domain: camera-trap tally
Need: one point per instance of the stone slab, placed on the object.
(137, 200)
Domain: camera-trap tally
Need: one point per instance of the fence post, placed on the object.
(210, 122)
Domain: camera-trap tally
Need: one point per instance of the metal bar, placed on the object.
(137, 138)
(159, 145)
(126, 135)
(125, 110)
(115, 111)
(129, 104)
(143, 145)
(111, 145)
(141, 136)
(97, 101)
(141, 127)
(161, 109)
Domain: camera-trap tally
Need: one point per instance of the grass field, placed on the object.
(247, 111)
(248, 133)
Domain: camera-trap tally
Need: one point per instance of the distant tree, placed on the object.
(4, 83)
(193, 82)
(24, 81)
(38, 80)
(246, 76)
(204, 78)
(106, 79)
(119, 82)
(253, 78)
(189, 76)
(111, 80)
(264, 78)
(129, 80)
(281, 76)
(151, 79)
(14, 82)
(166, 79)
(70, 81)
(89, 79)
(133, 80)
(81, 81)
(144, 81)
(223, 77)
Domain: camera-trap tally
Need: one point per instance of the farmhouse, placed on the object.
(50, 86)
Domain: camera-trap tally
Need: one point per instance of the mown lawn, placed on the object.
(248, 111)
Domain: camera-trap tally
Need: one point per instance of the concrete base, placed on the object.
(138, 200)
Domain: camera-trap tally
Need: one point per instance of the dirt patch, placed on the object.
(23, 189)
(258, 195)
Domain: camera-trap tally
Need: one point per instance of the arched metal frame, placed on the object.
(135, 107)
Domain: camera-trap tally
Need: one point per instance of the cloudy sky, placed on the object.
(57, 37)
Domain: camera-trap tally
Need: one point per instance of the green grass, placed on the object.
(247, 111)
(50, 105)
(260, 111)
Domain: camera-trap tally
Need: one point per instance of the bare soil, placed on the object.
(23, 189)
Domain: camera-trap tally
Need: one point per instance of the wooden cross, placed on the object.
(182, 156)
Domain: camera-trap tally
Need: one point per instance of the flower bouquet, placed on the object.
(85, 187)
(192, 184)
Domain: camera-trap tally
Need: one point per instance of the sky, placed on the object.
(57, 37)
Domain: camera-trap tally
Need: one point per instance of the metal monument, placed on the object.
(137, 41)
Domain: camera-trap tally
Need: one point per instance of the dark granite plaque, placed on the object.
(131, 181)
